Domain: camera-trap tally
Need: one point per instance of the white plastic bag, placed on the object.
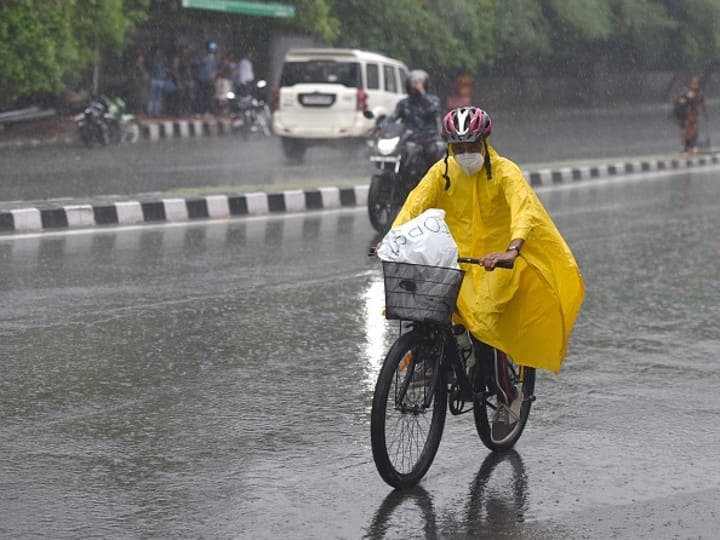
(423, 240)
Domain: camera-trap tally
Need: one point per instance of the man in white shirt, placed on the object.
(245, 75)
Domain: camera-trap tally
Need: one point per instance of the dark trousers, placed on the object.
(494, 366)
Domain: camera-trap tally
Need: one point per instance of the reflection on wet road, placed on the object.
(214, 380)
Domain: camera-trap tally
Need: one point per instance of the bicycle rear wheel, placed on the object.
(522, 378)
(405, 430)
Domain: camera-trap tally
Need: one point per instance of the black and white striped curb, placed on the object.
(180, 209)
(171, 129)
(291, 201)
(564, 175)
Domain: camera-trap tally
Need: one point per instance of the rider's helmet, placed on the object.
(212, 46)
(466, 124)
(414, 76)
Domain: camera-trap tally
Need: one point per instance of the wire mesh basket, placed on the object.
(416, 292)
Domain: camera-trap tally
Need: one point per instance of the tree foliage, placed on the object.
(479, 35)
(48, 42)
(314, 16)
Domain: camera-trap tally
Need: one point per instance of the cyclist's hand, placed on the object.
(505, 259)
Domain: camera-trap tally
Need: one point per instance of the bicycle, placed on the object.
(423, 375)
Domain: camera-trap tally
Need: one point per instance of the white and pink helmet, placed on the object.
(466, 124)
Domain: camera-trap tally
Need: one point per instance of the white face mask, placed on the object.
(470, 162)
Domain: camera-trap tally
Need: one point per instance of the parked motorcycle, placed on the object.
(104, 120)
(91, 125)
(249, 111)
(401, 164)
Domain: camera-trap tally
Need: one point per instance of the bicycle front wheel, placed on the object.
(408, 410)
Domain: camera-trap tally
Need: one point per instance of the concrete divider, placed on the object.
(175, 209)
(80, 215)
(128, 213)
(26, 219)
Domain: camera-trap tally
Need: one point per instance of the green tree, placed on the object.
(449, 35)
(695, 38)
(315, 17)
(507, 35)
(521, 33)
(47, 42)
(37, 47)
(642, 30)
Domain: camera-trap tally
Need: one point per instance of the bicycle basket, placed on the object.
(416, 292)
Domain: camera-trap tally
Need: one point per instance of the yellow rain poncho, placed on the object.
(529, 311)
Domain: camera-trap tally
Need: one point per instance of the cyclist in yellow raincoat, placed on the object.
(493, 213)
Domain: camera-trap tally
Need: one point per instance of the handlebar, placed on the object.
(471, 260)
(372, 252)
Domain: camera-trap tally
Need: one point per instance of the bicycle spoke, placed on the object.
(407, 426)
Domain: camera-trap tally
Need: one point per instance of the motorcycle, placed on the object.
(104, 121)
(401, 164)
(249, 111)
(91, 125)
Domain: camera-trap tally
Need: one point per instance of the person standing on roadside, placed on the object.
(207, 72)
(691, 103)
(223, 82)
(245, 74)
(157, 72)
(186, 82)
(138, 85)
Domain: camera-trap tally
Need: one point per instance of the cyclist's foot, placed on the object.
(506, 417)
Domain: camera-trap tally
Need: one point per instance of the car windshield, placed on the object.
(321, 71)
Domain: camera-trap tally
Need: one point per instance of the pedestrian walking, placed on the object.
(688, 107)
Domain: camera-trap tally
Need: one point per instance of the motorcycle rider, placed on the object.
(420, 111)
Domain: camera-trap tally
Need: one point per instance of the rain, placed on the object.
(214, 378)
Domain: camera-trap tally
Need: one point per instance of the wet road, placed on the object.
(215, 380)
(230, 164)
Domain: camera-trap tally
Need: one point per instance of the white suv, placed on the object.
(323, 94)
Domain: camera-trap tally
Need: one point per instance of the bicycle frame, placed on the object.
(449, 361)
